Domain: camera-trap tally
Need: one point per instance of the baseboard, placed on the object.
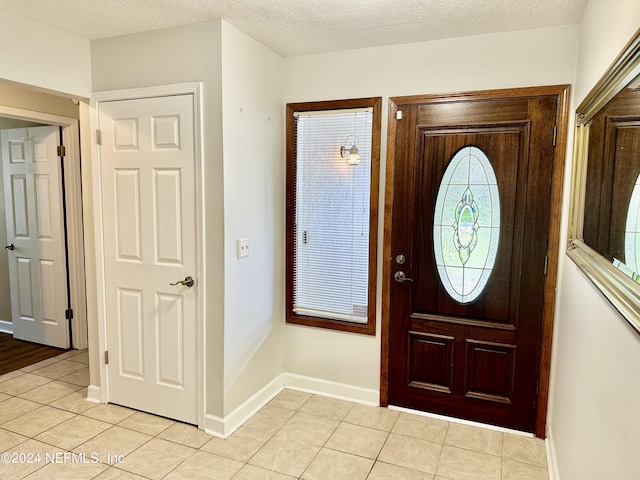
(6, 327)
(552, 458)
(328, 388)
(94, 394)
(214, 425)
(224, 427)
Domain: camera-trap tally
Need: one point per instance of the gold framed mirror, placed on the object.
(604, 223)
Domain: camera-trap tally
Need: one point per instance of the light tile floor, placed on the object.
(46, 426)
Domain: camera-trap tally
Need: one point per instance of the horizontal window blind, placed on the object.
(331, 225)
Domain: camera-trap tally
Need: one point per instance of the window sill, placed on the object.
(368, 328)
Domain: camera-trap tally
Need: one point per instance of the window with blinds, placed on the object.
(329, 248)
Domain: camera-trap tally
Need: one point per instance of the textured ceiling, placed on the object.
(295, 27)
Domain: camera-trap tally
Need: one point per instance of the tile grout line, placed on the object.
(195, 450)
(327, 439)
(376, 460)
(271, 435)
(444, 441)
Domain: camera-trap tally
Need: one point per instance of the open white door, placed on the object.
(35, 231)
(147, 159)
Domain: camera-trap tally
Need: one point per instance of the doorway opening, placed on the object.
(65, 129)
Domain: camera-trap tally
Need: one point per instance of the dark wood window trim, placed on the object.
(375, 102)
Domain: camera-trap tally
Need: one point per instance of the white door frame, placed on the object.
(194, 89)
(73, 205)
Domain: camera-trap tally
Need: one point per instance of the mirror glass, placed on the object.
(604, 226)
(612, 190)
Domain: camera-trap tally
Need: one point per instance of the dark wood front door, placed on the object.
(470, 220)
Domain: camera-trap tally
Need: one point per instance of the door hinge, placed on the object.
(546, 264)
(98, 137)
(106, 357)
(68, 314)
(61, 151)
(555, 135)
(399, 115)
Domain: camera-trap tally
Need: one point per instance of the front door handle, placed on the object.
(401, 277)
(10, 247)
(187, 282)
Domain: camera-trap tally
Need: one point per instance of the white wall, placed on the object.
(594, 419)
(189, 53)
(253, 145)
(516, 59)
(35, 54)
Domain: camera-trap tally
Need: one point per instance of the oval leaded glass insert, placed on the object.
(466, 224)
(632, 233)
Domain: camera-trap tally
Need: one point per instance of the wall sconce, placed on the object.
(353, 157)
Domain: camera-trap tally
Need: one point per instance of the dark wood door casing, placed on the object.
(491, 325)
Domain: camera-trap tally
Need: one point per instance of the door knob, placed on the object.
(187, 282)
(10, 247)
(401, 277)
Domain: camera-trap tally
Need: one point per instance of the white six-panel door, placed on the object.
(147, 160)
(35, 234)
